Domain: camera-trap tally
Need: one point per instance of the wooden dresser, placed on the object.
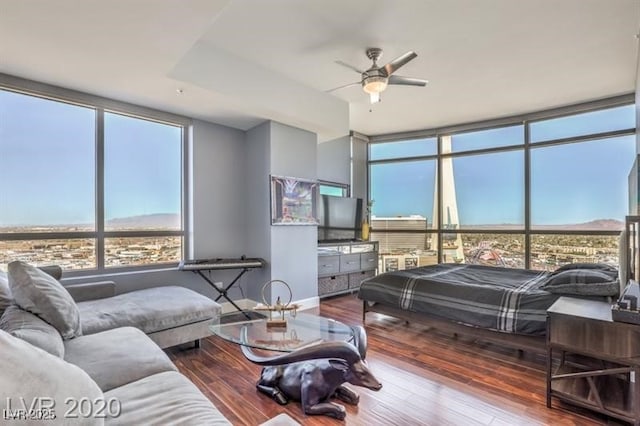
(593, 361)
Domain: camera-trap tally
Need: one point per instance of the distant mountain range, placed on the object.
(147, 221)
(170, 221)
(594, 225)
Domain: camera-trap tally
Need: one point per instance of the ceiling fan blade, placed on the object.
(398, 62)
(344, 87)
(407, 81)
(344, 64)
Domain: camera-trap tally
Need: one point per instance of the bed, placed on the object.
(501, 305)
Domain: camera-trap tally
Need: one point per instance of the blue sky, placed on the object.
(47, 164)
(47, 169)
(571, 183)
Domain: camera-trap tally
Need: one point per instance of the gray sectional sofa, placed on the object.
(84, 363)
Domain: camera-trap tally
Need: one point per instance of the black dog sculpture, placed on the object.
(315, 374)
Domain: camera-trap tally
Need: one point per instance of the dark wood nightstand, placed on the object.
(599, 359)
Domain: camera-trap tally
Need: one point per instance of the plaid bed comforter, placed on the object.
(501, 299)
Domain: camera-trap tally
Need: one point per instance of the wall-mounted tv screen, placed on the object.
(339, 218)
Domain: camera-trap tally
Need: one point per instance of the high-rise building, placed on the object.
(451, 242)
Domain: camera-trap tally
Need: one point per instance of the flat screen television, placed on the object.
(339, 218)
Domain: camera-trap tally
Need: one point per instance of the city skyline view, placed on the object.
(52, 160)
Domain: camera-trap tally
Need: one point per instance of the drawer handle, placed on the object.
(351, 263)
(371, 260)
(327, 266)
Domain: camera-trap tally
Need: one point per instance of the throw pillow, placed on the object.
(582, 282)
(611, 271)
(34, 375)
(54, 270)
(28, 327)
(6, 298)
(41, 294)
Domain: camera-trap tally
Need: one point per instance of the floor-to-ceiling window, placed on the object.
(405, 176)
(88, 187)
(537, 191)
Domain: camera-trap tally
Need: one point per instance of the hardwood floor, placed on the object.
(429, 378)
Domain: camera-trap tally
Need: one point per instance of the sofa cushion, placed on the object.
(116, 357)
(28, 327)
(164, 399)
(28, 372)
(41, 294)
(153, 309)
(6, 298)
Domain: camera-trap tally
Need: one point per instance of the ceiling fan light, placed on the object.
(374, 97)
(374, 84)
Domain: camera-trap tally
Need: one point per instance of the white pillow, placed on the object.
(28, 327)
(42, 295)
(30, 374)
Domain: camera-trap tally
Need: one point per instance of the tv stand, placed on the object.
(342, 265)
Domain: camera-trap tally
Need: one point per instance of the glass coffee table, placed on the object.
(302, 330)
(314, 357)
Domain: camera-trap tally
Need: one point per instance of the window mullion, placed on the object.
(527, 195)
(100, 262)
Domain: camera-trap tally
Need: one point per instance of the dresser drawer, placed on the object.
(328, 265)
(369, 260)
(349, 262)
(328, 285)
(355, 278)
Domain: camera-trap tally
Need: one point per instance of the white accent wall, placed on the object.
(344, 160)
(334, 164)
(278, 149)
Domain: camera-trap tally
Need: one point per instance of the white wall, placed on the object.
(217, 191)
(334, 164)
(276, 149)
(359, 186)
(294, 256)
(257, 234)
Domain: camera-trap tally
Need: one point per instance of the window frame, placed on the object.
(526, 120)
(344, 187)
(101, 105)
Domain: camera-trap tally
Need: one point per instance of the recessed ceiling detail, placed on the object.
(483, 59)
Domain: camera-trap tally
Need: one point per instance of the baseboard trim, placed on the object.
(309, 303)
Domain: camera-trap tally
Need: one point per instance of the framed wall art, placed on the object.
(293, 201)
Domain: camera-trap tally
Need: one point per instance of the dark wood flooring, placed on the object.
(429, 378)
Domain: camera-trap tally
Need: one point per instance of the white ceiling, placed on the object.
(240, 62)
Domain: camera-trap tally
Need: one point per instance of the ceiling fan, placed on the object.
(376, 78)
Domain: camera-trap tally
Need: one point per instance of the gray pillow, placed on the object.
(30, 373)
(41, 294)
(611, 271)
(28, 327)
(54, 270)
(582, 282)
(5, 294)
